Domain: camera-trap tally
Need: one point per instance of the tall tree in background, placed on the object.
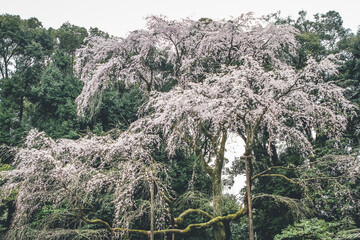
(12, 42)
(25, 46)
(54, 98)
(70, 38)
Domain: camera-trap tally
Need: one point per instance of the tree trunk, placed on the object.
(227, 230)
(11, 211)
(152, 210)
(6, 68)
(219, 231)
(21, 109)
(248, 193)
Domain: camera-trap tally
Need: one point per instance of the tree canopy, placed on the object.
(125, 138)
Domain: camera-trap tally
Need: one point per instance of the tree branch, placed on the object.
(275, 175)
(198, 152)
(271, 168)
(180, 219)
(188, 229)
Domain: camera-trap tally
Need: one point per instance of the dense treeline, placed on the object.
(295, 194)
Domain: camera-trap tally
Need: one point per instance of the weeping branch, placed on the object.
(297, 208)
(266, 174)
(275, 175)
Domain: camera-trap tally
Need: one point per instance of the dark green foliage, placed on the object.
(11, 42)
(350, 79)
(54, 98)
(314, 229)
(310, 44)
(6, 123)
(191, 189)
(24, 48)
(70, 38)
(97, 32)
(271, 216)
(118, 108)
(12, 131)
(316, 38)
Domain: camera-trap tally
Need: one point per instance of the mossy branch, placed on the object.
(188, 229)
(181, 217)
(325, 178)
(97, 221)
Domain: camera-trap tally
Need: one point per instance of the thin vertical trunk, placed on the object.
(227, 230)
(6, 69)
(21, 109)
(219, 231)
(11, 211)
(152, 210)
(171, 210)
(248, 193)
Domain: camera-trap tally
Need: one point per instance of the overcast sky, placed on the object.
(118, 17)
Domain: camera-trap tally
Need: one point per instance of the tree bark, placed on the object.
(219, 231)
(248, 193)
(227, 230)
(11, 211)
(152, 210)
(21, 113)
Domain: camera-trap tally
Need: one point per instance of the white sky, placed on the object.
(235, 147)
(118, 17)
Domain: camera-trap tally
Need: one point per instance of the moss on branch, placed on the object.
(188, 229)
(180, 219)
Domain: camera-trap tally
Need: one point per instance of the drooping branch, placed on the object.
(265, 174)
(276, 175)
(297, 207)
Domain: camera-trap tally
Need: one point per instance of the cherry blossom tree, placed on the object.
(78, 172)
(233, 76)
(249, 99)
(181, 41)
(95, 69)
(180, 50)
(136, 59)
